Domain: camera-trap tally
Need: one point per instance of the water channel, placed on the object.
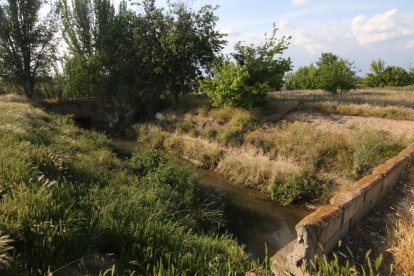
(254, 219)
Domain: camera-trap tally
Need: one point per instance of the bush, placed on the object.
(304, 78)
(142, 163)
(335, 75)
(256, 71)
(231, 137)
(387, 76)
(302, 187)
(231, 86)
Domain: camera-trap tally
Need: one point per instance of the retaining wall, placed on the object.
(330, 223)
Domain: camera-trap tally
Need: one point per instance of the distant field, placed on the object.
(298, 137)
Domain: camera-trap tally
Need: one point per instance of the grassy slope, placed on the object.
(64, 195)
(258, 149)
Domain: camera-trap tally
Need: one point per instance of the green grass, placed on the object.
(65, 195)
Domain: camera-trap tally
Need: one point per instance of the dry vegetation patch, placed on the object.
(260, 149)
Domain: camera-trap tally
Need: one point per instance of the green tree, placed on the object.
(396, 76)
(335, 74)
(265, 62)
(136, 59)
(246, 81)
(376, 78)
(304, 78)
(232, 86)
(27, 45)
(387, 75)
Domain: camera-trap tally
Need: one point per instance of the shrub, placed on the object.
(256, 71)
(304, 78)
(185, 126)
(231, 137)
(371, 148)
(335, 75)
(230, 86)
(302, 187)
(142, 163)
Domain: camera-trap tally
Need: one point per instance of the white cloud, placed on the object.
(410, 44)
(299, 2)
(379, 27)
(317, 39)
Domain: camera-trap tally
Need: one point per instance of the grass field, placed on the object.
(269, 149)
(69, 205)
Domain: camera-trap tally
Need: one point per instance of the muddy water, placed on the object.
(253, 219)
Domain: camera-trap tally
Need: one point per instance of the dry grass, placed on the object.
(13, 98)
(254, 171)
(260, 149)
(242, 165)
(382, 103)
(401, 236)
(5, 248)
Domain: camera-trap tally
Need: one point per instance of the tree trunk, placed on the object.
(29, 88)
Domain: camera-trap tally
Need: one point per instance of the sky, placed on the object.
(360, 31)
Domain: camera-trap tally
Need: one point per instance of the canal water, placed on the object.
(254, 219)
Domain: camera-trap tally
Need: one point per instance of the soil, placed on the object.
(397, 128)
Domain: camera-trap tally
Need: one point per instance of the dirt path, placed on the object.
(398, 128)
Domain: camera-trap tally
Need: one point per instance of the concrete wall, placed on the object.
(330, 223)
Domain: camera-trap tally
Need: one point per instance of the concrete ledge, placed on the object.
(330, 223)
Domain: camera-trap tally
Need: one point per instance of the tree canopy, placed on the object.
(246, 80)
(332, 74)
(27, 45)
(135, 60)
(387, 75)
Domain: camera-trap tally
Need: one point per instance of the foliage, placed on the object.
(332, 265)
(303, 186)
(255, 71)
(304, 78)
(371, 148)
(265, 63)
(335, 75)
(387, 76)
(230, 86)
(65, 195)
(332, 74)
(137, 59)
(27, 45)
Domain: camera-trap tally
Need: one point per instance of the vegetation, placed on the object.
(332, 74)
(255, 71)
(27, 45)
(303, 78)
(401, 235)
(382, 76)
(65, 195)
(292, 161)
(135, 60)
(334, 266)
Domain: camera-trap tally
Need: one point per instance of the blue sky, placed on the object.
(357, 30)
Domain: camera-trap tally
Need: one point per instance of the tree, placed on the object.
(255, 71)
(136, 60)
(375, 78)
(335, 75)
(265, 62)
(304, 78)
(232, 86)
(27, 46)
(387, 76)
